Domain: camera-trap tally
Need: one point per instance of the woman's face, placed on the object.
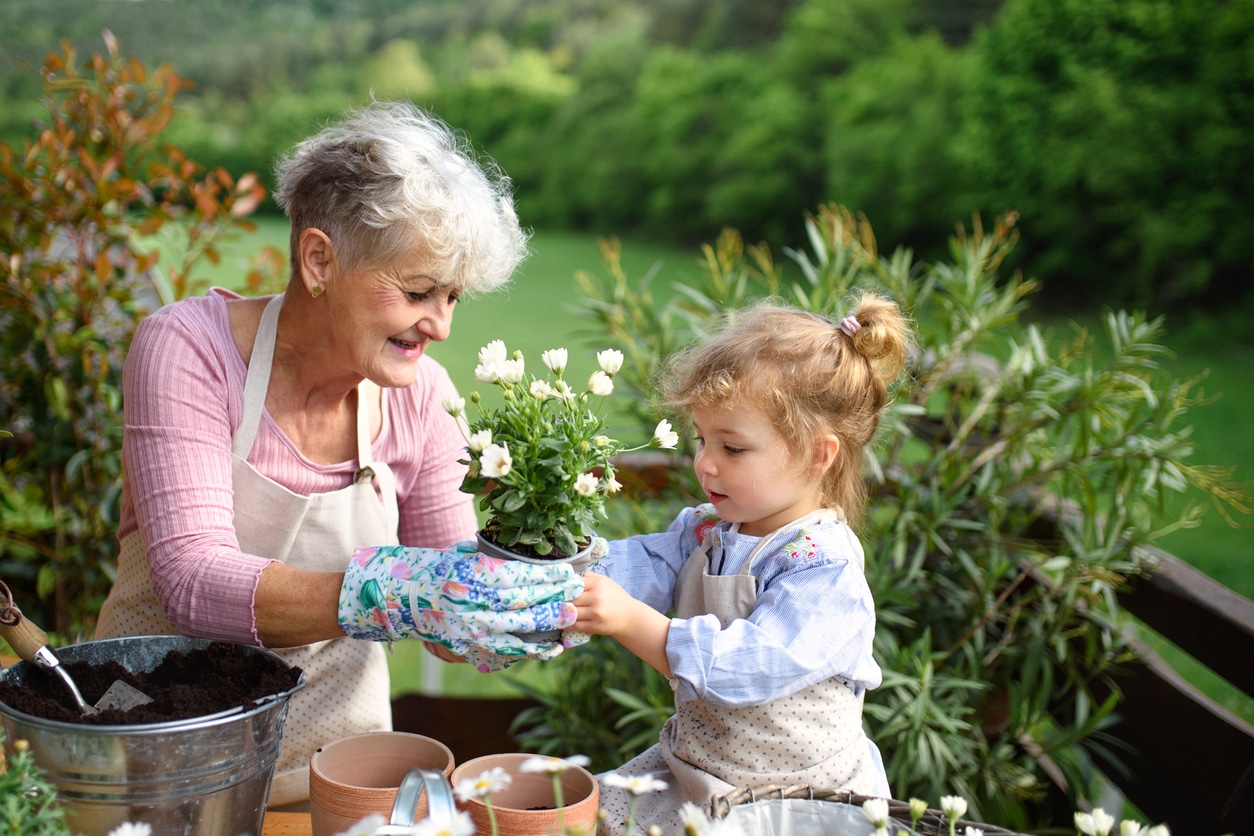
(387, 315)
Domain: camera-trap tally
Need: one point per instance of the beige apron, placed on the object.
(813, 736)
(346, 689)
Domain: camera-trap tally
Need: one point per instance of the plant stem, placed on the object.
(487, 802)
(557, 800)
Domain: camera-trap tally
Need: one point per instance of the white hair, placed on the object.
(389, 175)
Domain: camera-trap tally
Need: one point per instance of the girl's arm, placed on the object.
(605, 609)
(814, 619)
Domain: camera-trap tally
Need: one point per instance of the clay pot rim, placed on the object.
(506, 760)
(399, 737)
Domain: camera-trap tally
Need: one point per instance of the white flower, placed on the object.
(876, 811)
(612, 485)
(510, 371)
(138, 829)
(540, 389)
(1131, 827)
(600, 384)
(462, 825)
(586, 484)
(495, 461)
(365, 827)
(479, 441)
(492, 353)
(555, 359)
(634, 784)
(1097, 823)
(664, 436)
(917, 808)
(611, 360)
(551, 765)
(972, 831)
(693, 819)
(454, 406)
(562, 390)
(483, 784)
(954, 806)
(489, 372)
(1158, 830)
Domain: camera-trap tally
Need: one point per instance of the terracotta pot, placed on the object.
(580, 562)
(525, 807)
(354, 776)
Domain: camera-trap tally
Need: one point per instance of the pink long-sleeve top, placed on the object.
(183, 390)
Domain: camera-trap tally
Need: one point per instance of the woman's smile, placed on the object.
(408, 349)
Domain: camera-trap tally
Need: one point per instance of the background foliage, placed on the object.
(1115, 128)
(995, 619)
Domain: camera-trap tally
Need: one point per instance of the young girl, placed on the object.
(769, 650)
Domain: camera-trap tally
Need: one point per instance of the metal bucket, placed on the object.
(203, 776)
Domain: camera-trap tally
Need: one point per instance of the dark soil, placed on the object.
(186, 685)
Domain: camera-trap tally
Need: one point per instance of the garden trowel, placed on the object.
(31, 643)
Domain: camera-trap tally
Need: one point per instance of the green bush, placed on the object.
(1015, 475)
(1118, 129)
(79, 201)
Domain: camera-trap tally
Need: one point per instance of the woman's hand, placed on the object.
(468, 603)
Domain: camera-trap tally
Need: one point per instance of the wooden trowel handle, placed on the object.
(24, 637)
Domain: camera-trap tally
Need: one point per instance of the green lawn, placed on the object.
(537, 312)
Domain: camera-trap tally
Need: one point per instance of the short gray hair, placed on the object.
(390, 172)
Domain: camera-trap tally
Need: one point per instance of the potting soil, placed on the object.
(186, 685)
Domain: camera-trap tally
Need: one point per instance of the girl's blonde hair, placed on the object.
(809, 377)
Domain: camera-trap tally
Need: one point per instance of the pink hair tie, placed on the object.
(850, 325)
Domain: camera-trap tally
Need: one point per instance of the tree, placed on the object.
(1117, 128)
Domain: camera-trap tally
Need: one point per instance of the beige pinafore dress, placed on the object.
(346, 689)
(813, 736)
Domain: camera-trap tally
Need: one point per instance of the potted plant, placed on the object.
(542, 463)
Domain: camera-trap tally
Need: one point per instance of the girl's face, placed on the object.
(388, 316)
(748, 471)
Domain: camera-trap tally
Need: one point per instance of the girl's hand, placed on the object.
(605, 609)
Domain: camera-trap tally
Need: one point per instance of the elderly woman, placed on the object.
(266, 439)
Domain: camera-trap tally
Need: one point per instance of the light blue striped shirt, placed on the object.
(814, 618)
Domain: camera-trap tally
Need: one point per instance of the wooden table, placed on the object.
(286, 824)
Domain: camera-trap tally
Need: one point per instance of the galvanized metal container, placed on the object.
(204, 776)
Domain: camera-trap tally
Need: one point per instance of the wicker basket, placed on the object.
(933, 822)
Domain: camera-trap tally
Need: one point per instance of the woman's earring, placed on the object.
(317, 291)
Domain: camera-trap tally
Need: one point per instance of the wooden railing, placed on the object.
(1190, 760)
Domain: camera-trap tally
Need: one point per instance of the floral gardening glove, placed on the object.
(458, 599)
